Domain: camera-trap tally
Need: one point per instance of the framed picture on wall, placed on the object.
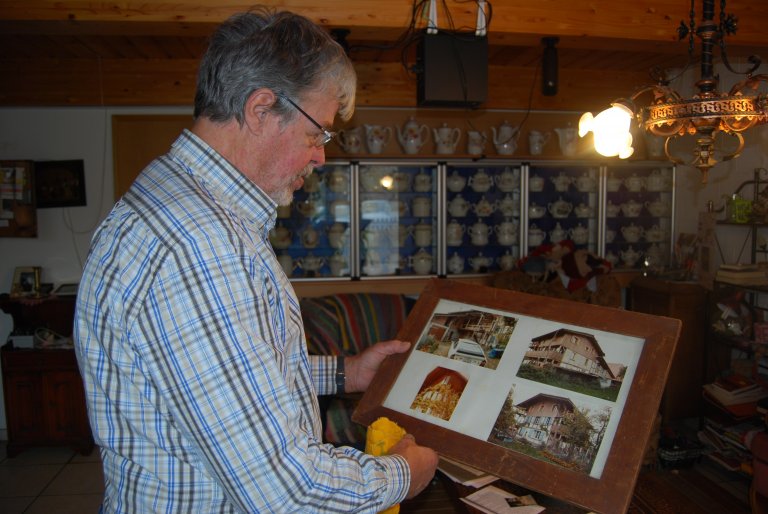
(556, 396)
(60, 183)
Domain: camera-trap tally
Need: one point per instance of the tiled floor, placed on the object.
(45, 480)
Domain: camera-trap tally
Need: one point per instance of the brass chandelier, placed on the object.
(704, 115)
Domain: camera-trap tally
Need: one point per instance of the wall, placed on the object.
(84, 133)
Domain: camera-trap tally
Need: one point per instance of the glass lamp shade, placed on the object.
(610, 129)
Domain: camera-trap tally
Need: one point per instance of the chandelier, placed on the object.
(669, 115)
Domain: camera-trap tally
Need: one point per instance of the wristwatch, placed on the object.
(341, 376)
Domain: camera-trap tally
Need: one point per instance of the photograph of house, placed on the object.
(472, 336)
(572, 360)
(552, 428)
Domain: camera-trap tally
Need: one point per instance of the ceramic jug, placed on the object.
(536, 141)
(505, 139)
(351, 140)
(456, 263)
(446, 139)
(456, 182)
(377, 137)
(568, 139)
(454, 233)
(476, 142)
(413, 136)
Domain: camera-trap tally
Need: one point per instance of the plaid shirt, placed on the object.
(189, 338)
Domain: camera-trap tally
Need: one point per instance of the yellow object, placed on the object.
(382, 435)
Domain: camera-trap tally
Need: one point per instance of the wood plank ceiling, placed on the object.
(75, 52)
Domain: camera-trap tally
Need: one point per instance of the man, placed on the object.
(200, 391)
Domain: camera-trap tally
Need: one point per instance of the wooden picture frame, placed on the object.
(60, 183)
(498, 403)
(26, 281)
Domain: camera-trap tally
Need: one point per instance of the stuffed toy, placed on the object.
(576, 268)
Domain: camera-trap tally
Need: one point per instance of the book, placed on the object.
(735, 389)
(738, 411)
(463, 474)
(742, 266)
(749, 278)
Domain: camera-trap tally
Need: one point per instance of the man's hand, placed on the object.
(421, 460)
(361, 368)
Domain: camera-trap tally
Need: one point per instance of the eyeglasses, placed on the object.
(321, 139)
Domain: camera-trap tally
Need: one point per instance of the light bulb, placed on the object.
(610, 130)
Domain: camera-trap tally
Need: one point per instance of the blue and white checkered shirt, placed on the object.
(189, 337)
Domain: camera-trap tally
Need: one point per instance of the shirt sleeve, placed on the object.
(323, 373)
(223, 349)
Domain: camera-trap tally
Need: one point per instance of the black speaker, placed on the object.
(549, 67)
(452, 70)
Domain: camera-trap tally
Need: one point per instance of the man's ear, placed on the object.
(257, 107)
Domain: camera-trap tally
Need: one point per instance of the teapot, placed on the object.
(612, 210)
(630, 257)
(338, 180)
(610, 235)
(583, 210)
(506, 233)
(561, 182)
(536, 211)
(401, 181)
(656, 181)
(657, 208)
(612, 184)
(310, 263)
(351, 140)
(455, 182)
(310, 237)
(567, 137)
(476, 142)
(338, 264)
(286, 262)
(612, 258)
(479, 233)
(654, 255)
(458, 207)
(655, 234)
(536, 183)
(446, 138)
(456, 263)
(507, 261)
(480, 262)
(413, 136)
(632, 233)
(508, 205)
(631, 208)
(377, 137)
(505, 140)
(634, 183)
(421, 262)
(483, 207)
(280, 237)
(535, 235)
(306, 208)
(454, 233)
(508, 179)
(586, 183)
(579, 234)
(421, 206)
(422, 182)
(311, 183)
(557, 234)
(337, 235)
(560, 208)
(422, 234)
(480, 182)
(536, 141)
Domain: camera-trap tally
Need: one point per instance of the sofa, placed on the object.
(345, 324)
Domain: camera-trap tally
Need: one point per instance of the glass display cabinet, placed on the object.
(417, 218)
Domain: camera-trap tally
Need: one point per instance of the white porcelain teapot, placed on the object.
(280, 237)
(456, 263)
(655, 234)
(310, 237)
(508, 205)
(454, 233)
(632, 233)
(458, 206)
(377, 137)
(634, 183)
(560, 208)
(422, 182)
(508, 179)
(506, 233)
(557, 234)
(446, 139)
(613, 184)
(337, 180)
(337, 235)
(657, 208)
(562, 182)
(611, 209)
(630, 257)
(413, 136)
(568, 139)
(483, 207)
(579, 234)
(583, 210)
(479, 233)
(422, 234)
(656, 181)
(421, 262)
(631, 208)
(481, 181)
(310, 262)
(307, 208)
(480, 262)
(351, 140)
(507, 261)
(586, 183)
(421, 206)
(476, 142)
(535, 235)
(456, 182)
(536, 141)
(401, 181)
(536, 183)
(505, 139)
(536, 211)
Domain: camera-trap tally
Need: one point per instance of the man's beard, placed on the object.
(284, 196)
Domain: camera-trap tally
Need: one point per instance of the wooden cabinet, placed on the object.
(44, 400)
(687, 302)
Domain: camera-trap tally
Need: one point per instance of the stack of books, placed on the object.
(742, 274)
(736, 394)
(728, 444)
